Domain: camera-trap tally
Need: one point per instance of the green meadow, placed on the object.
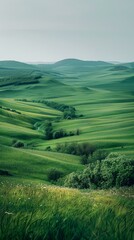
(42, 212)
(103, 97)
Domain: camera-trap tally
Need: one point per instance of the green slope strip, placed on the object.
(33, 165)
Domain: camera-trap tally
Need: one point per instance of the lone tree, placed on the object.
(48, 130)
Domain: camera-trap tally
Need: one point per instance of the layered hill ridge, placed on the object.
(74, 72)
(11, 64)
(78, 62)
(102, 94)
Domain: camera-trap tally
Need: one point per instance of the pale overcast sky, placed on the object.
(51, 30)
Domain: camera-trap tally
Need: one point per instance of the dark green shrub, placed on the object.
(85, 149)
(69, 113)
(111, 172)
(117, 170)
(97, 155)
(48, 148)
(5, 173)
(59, 134)
(77, 132)
(84, 160)
(71, 133)
(80, 149)
(54, 174)
(18, 144)
(48, 130)
(77, 180)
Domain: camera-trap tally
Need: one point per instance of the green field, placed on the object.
(103, 97)
(101, 92)
(42, 212)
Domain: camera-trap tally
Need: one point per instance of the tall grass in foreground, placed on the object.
(53, 213)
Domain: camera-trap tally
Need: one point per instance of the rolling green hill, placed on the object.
(15, 65)
(17, 73)
(102, 94)
(46, 109)
(80, 63)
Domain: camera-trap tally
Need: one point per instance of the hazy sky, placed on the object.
(50, 30)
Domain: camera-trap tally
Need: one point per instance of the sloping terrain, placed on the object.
(102, 94)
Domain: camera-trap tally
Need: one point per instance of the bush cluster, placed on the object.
(51, 134)
(68, 111)
(80, 149)
(114, 171)
(17, 144)
(5, 173)
(54, 174)
(97, 155)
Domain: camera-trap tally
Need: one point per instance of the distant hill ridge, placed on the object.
(65, 62)
(76, 62)
(16, 65)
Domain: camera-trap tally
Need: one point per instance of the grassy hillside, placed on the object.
(43, 212)
(86, 102)
(33, 166)
(17, 73)
(102, 94)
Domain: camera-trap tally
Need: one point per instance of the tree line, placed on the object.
(51, 134)
(69, 112)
